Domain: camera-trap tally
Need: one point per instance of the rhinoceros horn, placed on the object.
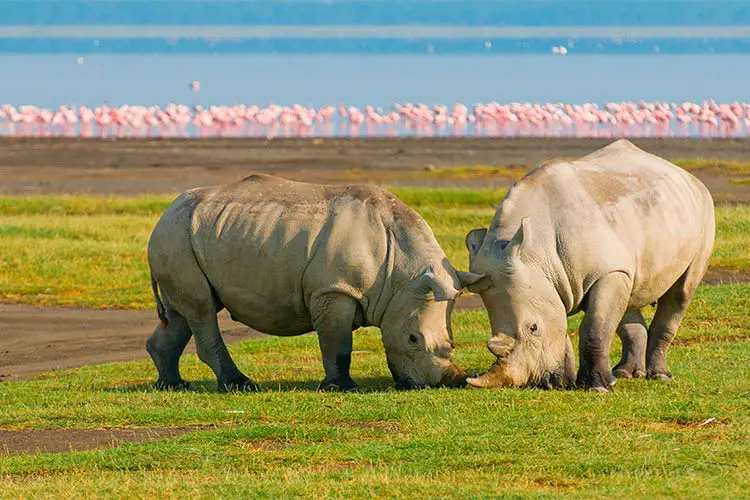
(495, 377)
(453, 377)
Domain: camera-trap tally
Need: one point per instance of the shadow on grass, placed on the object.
(366, 384)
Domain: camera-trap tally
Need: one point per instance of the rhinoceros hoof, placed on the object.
(180, 385)
(660, 375)
(240, 385)
(628, 372)
(599, 382)
(338, 386)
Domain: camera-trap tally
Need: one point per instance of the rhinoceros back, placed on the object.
(266, 244)
(617, 209)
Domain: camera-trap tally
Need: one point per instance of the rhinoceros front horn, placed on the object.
(453, 377)
(496, 377)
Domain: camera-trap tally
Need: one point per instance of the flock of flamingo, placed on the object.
(622, 119)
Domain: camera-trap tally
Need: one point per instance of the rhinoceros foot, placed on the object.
(240, 384)
(407, 384)
(339, 385)
(627, 370)
(659, 375)
(179, 385)
(599, 380)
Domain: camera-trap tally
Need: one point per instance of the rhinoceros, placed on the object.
(607, 234)
(287, 258)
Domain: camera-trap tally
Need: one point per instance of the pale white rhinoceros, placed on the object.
(608, 234)
(287, 258)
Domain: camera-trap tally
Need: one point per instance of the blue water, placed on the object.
(51, 80)
(116, 66)
(357, 13)
(473, 46)
(379, 12)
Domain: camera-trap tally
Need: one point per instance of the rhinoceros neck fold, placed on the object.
(411, 247)
(545, 250)
(380, 295)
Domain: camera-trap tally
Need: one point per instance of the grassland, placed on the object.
(686, 438)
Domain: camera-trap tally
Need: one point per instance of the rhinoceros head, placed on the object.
(417, 330)
(527, 315)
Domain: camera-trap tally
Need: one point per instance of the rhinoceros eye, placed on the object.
(533, 329)
(413, 339)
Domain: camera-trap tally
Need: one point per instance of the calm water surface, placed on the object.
(51, 80)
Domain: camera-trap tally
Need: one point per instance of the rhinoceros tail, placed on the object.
(160, 309)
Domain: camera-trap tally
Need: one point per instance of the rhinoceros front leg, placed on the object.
(607, 301)
(333, 317)
(632, 333)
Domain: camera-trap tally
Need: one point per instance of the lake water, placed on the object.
(114, 79)
(378, 52)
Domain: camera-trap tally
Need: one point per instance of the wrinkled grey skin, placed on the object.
(287, 258)
(608, 234)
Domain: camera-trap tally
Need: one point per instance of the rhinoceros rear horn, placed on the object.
(522, 238)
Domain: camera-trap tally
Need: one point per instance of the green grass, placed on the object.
(91, 251)
(726, 166)
(647, 439)
(644, 440)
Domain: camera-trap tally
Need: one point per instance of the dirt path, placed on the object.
(42, 339)
(20, 442)
(39, 339)
(34, 340)
(137, 166)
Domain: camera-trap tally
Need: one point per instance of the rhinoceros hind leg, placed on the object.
(238, 384)
(669, 313)
(632, 333)
(213, 351)
(334, 318)
(165, 346)
(607, 303)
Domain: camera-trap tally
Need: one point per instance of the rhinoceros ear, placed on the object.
(474, 241)
(522, 238)
(428, 283)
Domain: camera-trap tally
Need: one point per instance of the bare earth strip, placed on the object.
(36, 339)
(18, 442)
(139, 166)
(41, 339)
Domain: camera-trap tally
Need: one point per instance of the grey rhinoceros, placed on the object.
(287, 258)
(608, 234)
